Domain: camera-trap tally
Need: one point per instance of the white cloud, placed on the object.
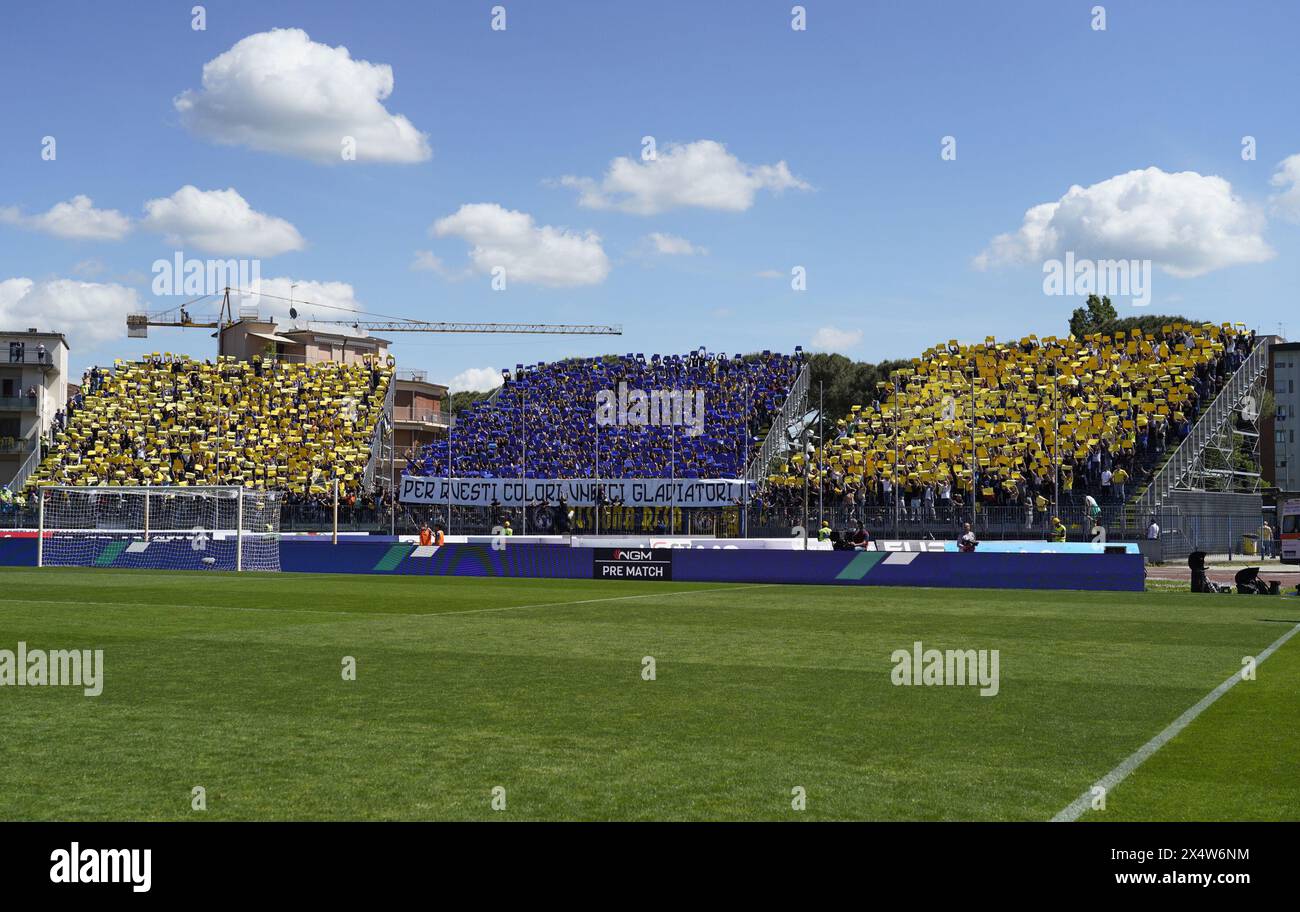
(769, 274)
(701, 174)
(545, 255)
(1287, 202)
(672, 245)
(279, 91)
(428, 261)
(221, 222)
(831, 339)
(77, 219)
(88, 313)
(475, 379)
(1185, 222)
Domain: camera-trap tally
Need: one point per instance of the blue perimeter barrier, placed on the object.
(989, 570)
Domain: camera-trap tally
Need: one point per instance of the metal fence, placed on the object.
(776, 443)
(1180, 533)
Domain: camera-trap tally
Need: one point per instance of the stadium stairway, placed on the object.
(1188, 457)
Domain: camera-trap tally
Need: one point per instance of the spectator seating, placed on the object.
(1107, 405)
(542, 422)
(172, 420)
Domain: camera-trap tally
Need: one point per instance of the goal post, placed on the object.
(159, 528)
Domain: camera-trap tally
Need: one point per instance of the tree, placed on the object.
(455, 403)
(1097, 313)
(846, 382)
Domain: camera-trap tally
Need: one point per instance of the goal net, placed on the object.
(159, 528)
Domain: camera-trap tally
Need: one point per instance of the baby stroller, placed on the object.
(1249, 583)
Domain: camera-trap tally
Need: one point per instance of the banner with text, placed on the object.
(577, 492)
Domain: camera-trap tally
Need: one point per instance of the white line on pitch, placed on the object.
(1075, 809)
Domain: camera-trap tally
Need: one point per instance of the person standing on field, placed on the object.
(1266, 540)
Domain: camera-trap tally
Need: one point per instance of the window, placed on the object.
(1280, 437)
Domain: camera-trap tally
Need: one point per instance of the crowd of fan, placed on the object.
(543, 422)
(1104, 408)
(260, 423)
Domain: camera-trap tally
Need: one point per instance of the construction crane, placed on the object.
(137, 324)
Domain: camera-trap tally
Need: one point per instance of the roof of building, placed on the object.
(14, 335)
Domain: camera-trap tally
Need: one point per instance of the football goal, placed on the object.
(159, 528)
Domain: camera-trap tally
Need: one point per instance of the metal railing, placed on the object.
(30, 465)
(18, 403)
(776, 441)
(381, 440)
(1191, 450)
(424, 416)
(16, 358)
(1180, 534)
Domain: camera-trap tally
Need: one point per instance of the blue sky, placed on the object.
(855, 106)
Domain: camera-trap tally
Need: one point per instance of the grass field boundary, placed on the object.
(1079, 806)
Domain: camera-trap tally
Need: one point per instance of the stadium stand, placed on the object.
(1121, 400)
(267, 424)
(542, 421)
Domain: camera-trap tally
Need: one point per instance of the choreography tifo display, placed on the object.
(171, 528)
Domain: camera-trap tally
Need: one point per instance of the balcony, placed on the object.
(17, 403)
(419, 416)
(27, 357)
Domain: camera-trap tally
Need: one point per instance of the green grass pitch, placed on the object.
(234, 683)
